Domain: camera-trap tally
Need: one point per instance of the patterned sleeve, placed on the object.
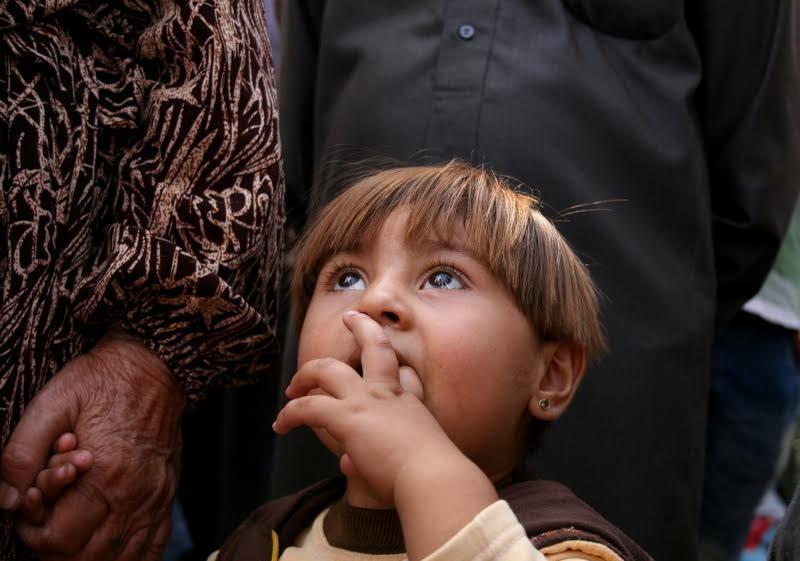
(194, 226)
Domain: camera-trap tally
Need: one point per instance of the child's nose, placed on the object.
(386, 305)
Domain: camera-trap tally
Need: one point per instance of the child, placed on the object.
(443, 320)
(440, 311)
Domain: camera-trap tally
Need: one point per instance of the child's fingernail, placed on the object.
(352, 313)
(273, 425)
(9, 497)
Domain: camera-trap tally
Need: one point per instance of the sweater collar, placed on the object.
(366, 530)
(363, 530)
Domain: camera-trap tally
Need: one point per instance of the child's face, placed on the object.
(467, 349)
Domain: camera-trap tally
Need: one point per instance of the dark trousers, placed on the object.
(752, 406)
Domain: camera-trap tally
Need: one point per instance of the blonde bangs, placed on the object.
(503, 228)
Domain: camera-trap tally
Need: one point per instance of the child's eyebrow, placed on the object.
(426, 245)
(448, 245)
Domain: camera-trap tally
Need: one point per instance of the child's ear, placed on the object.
(564, 365)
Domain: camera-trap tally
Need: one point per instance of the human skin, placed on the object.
(124, 407)
(418, 368)
(63, 468)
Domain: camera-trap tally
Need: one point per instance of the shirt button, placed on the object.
(466, 32)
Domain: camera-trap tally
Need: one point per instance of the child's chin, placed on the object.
(330, 443)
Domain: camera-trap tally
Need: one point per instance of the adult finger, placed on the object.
(82, 460)
(378, 359)
(315, 411)
(159, 541)
(72, 522)
(151, 548)
(49, 415)
(53, 481)
(332, 376)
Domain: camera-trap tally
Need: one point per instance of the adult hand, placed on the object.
(123, 405)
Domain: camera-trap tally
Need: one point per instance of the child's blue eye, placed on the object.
(349, 280)
(443, 280)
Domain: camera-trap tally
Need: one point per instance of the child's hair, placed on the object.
(504, 228)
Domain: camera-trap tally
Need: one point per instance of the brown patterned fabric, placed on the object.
(141, 188)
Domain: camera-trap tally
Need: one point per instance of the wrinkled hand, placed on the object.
(123, 406)
(380, 426)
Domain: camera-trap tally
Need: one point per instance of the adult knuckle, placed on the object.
(18, 458)
(162, 498)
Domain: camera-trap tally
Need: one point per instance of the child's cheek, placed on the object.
(460, 374)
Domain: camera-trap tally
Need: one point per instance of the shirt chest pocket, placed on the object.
(629, 19)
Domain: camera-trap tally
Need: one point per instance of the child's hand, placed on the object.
(390, 440)
(380, 426)
(62, 470)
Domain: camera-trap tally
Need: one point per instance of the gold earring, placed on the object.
(544, 404)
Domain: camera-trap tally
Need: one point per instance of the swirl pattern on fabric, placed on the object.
(141, 188)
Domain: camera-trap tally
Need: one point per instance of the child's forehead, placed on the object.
(418, 237)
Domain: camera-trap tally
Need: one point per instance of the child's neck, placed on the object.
(360, 495)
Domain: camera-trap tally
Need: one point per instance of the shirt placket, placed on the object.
(465, 49)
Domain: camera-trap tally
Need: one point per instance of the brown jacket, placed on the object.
(549, 512)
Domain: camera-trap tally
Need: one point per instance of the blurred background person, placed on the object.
(755, 383)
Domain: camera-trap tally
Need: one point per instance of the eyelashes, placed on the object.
(444, 266)
(332, 272)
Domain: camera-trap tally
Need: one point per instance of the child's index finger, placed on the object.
(378, 359)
